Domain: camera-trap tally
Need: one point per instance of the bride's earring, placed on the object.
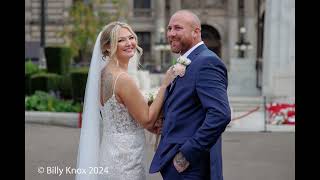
(117, 63)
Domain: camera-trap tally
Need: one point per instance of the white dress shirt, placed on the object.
(186, 54)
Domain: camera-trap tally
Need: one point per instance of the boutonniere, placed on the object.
(180, 67)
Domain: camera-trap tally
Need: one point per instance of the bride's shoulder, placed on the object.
(126, 83)
(106, 72)
(124, 78)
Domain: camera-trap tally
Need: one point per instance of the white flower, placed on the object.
(180, 68)
(183, 60)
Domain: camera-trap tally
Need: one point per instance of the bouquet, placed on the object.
(150, 96)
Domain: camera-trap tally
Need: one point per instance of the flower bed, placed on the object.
(42, 101)
(281, 113)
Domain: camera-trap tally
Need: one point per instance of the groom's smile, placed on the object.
(174, 44)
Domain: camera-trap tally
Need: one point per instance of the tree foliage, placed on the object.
(85, 21)
(82, 28)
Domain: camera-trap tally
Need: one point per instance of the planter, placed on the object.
(53, 118)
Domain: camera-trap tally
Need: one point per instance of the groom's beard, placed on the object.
(179, 45)
(175, 46)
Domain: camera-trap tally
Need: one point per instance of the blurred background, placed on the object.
(254, 38)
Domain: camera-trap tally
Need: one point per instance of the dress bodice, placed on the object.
(116, 118)
(122, 147)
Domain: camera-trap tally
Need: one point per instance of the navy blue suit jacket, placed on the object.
(196, 113)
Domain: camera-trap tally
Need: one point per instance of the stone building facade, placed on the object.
(266, 27)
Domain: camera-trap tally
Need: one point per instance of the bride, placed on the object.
(115, 112)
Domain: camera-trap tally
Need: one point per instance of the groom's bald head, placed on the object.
(189, 17)
(183, 31)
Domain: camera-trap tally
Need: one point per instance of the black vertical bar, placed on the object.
(242, 42)
(258, 45)
(241, 24)
(42, 24)
(265, 113)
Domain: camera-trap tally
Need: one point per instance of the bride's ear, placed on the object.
(106, 49)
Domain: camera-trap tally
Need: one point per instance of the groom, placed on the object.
(196, 108)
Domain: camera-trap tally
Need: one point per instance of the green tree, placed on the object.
(121, 7)
(81, 29)
(85, 21)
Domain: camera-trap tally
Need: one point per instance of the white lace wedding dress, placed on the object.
(122, 148)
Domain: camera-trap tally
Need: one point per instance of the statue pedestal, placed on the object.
(242, 78)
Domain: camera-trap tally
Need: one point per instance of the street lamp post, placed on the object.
(42, 58)
(242, 45)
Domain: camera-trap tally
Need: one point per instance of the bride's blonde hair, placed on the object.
(109, 39)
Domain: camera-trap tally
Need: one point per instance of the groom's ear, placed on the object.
(196, 32)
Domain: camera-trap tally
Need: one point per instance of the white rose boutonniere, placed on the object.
(180, 67)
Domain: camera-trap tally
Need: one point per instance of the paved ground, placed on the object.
(246, 155)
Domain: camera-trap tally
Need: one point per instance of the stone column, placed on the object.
(67, 5)
(175, 5)
(233, 28)
(279, 49)
(251, 26)
(27, 20)
(242, 72)
(133, 71)
(160, 26)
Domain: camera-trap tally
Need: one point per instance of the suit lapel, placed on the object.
(166, 93)
(191, 56)
(169, 89)
(173, 84)
(197, 51)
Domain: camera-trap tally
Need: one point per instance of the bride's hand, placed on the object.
(169, 77)
(158, 125)
(157, 128)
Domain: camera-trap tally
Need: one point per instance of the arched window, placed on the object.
(211, 38)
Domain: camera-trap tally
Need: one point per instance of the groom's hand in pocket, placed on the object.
(180, 162)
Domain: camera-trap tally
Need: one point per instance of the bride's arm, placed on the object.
(157, 127)
(132, 98)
